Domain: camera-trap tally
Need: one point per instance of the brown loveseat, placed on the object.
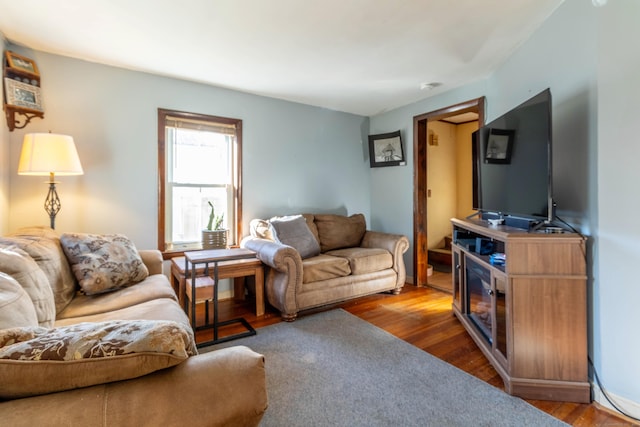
(322, 259)
(120, 353)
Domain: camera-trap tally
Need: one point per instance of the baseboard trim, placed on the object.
(628, 406)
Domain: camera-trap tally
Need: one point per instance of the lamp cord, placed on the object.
(606, 395)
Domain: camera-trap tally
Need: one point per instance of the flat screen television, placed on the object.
(512, 164)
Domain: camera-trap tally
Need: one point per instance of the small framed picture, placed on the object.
(22, 94)
(386, 150)
(499, 146)
(21, 63)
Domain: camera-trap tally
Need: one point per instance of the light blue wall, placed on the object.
(295, 157)
(617, 347)
(582, 53)
(554, 57)
(392, 187)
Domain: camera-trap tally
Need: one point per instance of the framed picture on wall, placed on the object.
(21, 63)
(22, 94)
(386, 149)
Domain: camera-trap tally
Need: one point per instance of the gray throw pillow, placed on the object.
(293, 231)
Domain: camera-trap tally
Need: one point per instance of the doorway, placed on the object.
(421, 141)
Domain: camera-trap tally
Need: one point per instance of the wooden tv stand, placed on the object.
(529, 316)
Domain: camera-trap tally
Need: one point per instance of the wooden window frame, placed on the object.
(162, 119)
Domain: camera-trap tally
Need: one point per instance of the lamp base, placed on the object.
(52, 204)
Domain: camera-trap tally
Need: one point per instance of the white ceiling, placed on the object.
(358, 56)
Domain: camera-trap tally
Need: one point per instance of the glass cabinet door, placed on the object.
(457, 278)
(479, 297)
(500, 292)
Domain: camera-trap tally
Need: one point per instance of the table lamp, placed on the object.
(49, 154)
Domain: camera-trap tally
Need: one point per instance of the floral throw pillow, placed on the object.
(37, 360)
(103, 263)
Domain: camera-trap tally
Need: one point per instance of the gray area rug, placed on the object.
(334, 369)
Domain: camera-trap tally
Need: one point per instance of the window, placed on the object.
(199, 161)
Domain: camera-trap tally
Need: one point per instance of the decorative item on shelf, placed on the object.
(21, 94)
(497, 258)
(22, 64)
(214, 236)
(22, 90)
(386, 150)
(49, 154)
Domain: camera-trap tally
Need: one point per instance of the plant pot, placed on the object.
(214, 239)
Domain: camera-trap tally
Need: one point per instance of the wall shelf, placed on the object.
(25, 81)
(15, 123)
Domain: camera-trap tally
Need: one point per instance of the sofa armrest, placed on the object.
(152, 258)
(276, 255)
(397, 244)
(221, 388)
(283, 279)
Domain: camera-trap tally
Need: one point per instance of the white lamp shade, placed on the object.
(46, 153)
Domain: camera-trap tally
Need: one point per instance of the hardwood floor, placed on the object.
(423, 317)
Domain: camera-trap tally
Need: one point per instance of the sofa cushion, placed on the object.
(43, 245)
(365, 260)
(338, 231)
(157, 309)
(38, 360)
(153, 287)
(310, 218)
(18, 264)
(294, 231)
(16, 308)
(103, 263)
(323, 267)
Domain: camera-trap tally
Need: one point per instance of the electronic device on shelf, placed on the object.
(512, 157)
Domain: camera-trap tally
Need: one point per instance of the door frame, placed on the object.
(420, 143)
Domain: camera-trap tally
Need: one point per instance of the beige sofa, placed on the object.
(124, 355)
(319, 259)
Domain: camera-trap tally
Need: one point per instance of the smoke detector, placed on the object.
(429, 86)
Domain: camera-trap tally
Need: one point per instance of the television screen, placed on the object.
(512, 162)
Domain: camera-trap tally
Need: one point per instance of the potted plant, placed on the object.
(214, 236)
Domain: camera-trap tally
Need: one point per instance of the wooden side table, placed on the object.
(202, 273)
(231, 269)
